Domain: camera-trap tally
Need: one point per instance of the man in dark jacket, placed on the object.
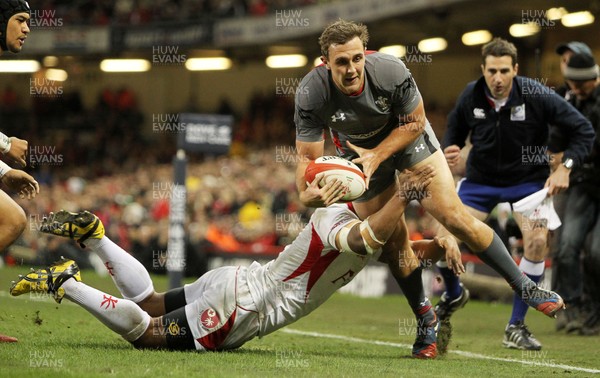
(558, 142)
(583, 205)
(508, 118)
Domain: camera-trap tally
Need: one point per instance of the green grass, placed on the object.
(64, 340)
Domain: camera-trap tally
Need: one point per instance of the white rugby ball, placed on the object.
(335, 167)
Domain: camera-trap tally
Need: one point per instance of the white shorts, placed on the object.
(220, 312)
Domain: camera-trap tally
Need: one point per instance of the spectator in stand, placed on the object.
(565, 51)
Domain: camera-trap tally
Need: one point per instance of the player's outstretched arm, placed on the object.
(368, 236)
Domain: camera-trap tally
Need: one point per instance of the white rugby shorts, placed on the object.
(220, 312)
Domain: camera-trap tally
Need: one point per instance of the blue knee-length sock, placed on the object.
(451, 281)
(535, 271)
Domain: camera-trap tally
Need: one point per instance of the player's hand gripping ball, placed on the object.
(352, 178)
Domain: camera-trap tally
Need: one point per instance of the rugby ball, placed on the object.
(335, 167)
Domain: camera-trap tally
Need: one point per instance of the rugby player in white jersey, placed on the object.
(229, 306)
(14, 15)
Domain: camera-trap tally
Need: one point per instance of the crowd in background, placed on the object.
(234, 204)
(141, 12)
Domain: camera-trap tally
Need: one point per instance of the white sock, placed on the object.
(120, 315)
(532, 268)
(130, 276)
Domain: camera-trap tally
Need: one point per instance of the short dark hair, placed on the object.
(499, 47)
(340, 32)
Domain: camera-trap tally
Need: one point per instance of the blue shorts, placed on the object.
(485, 198)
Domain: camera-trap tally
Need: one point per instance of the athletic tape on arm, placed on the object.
(372, 244)
(5, 143)
(342, 237)
(4, 168)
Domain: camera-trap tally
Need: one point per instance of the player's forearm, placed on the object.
(305, 152)
(384, 221)
(410, 128)
(399, 139)
(368, 236)
(300, 180)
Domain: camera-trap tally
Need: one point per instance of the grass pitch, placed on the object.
(347, 336)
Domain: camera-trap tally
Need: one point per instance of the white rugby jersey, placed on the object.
(306, 273)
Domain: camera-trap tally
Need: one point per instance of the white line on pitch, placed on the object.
(459, 352)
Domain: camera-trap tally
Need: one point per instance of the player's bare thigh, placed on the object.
(12, 220)
(445, 206)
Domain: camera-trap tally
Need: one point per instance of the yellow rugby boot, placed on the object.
(77, 226)
(47, 280)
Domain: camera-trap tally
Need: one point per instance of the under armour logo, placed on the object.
(108, 301)
(338, 116)
(420, 147)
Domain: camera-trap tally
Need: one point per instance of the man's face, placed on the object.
(582, 89)
(499, 73)
(346, 63)
(564, 59)
(16, 32)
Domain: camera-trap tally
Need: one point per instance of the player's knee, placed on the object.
(537, 245)
(13, 223)
(144, 341)
(151, 338)
(154, 304)
(460, 224)
(20, 221)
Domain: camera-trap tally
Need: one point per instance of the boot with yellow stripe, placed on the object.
(47, 280)
(77, 226)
